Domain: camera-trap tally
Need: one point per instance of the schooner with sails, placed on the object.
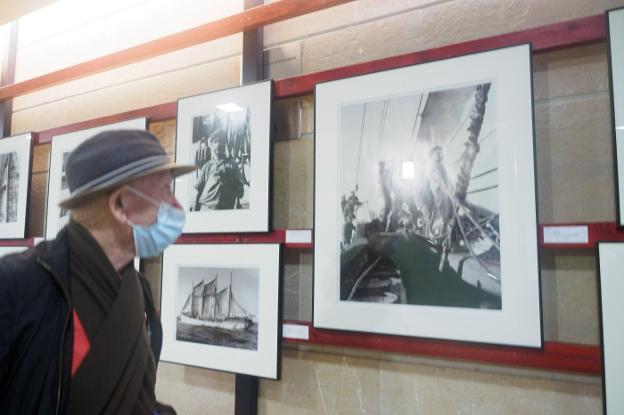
(205, 306)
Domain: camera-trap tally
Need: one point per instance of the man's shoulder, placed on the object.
(18, 262)
(24, 268)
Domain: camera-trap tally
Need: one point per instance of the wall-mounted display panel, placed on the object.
(62, 145)
(220, 307)
(226, 134)
(615, 36)
(15, 165)
(425, 212)
(611, 286)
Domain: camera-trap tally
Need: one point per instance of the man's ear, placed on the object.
(116, 201)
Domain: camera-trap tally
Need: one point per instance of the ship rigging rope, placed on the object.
(418, 115)
(484, 136)
(483, 189)
(465, 237)
(458, 129)
(361, 278)
(382, 124)
(357, 170)
(476, 176)
(239, 305)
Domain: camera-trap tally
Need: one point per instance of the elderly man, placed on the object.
(78, 330)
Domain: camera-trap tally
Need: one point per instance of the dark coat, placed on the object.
(36, 329)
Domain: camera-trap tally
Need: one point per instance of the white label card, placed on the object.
(566, 234)
(295, 331)
(303, 236)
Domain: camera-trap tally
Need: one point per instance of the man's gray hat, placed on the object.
(112, 158)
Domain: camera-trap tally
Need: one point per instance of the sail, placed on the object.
(198, 300)
(208, 310)
(222, 306)
(186, 310)
(236, 309)
(210, 288)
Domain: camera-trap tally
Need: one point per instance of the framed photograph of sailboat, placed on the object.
(62, 145)
(425, 215)
(220, 307)
(227, 135)
(615, 41)
(15, 165)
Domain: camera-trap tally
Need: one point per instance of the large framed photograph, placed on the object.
(62, 145)
(425, 214)
(220, 307)
(226, 134)
(610, 286)
(15, 165)
(615, 36)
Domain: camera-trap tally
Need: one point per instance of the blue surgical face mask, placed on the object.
(151, 240)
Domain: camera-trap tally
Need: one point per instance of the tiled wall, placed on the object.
(574, 178)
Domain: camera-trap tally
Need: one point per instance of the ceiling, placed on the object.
(13, 9)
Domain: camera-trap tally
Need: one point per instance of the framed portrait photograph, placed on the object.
(58, 190)
(220, 307)
(610, 285)
(15, 166)
(425, 215)
(615, 42)
(226, 134)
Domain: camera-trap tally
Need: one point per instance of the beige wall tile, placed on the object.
(322, 384)
(125, 97)
(571, 71)
(37, 208)
(193, 390)
(286, 119)
(574, 159)
(431, 390)
(41, 158)
(165, 131)
(292, 184)
(577, 298)
(338, 17)
(440, 24)
(550, 316)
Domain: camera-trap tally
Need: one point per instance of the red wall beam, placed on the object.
(554, 356)
(247, 20)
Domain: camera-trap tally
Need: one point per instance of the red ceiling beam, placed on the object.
(250, 19)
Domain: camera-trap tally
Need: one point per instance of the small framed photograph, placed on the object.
(610, 287)
(62, 145)
(226, 134)
(425, 215)
(615, 42)
(15, 166)
(220, 307)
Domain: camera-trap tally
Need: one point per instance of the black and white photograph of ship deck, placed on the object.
(218, 306)
(419, 199)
